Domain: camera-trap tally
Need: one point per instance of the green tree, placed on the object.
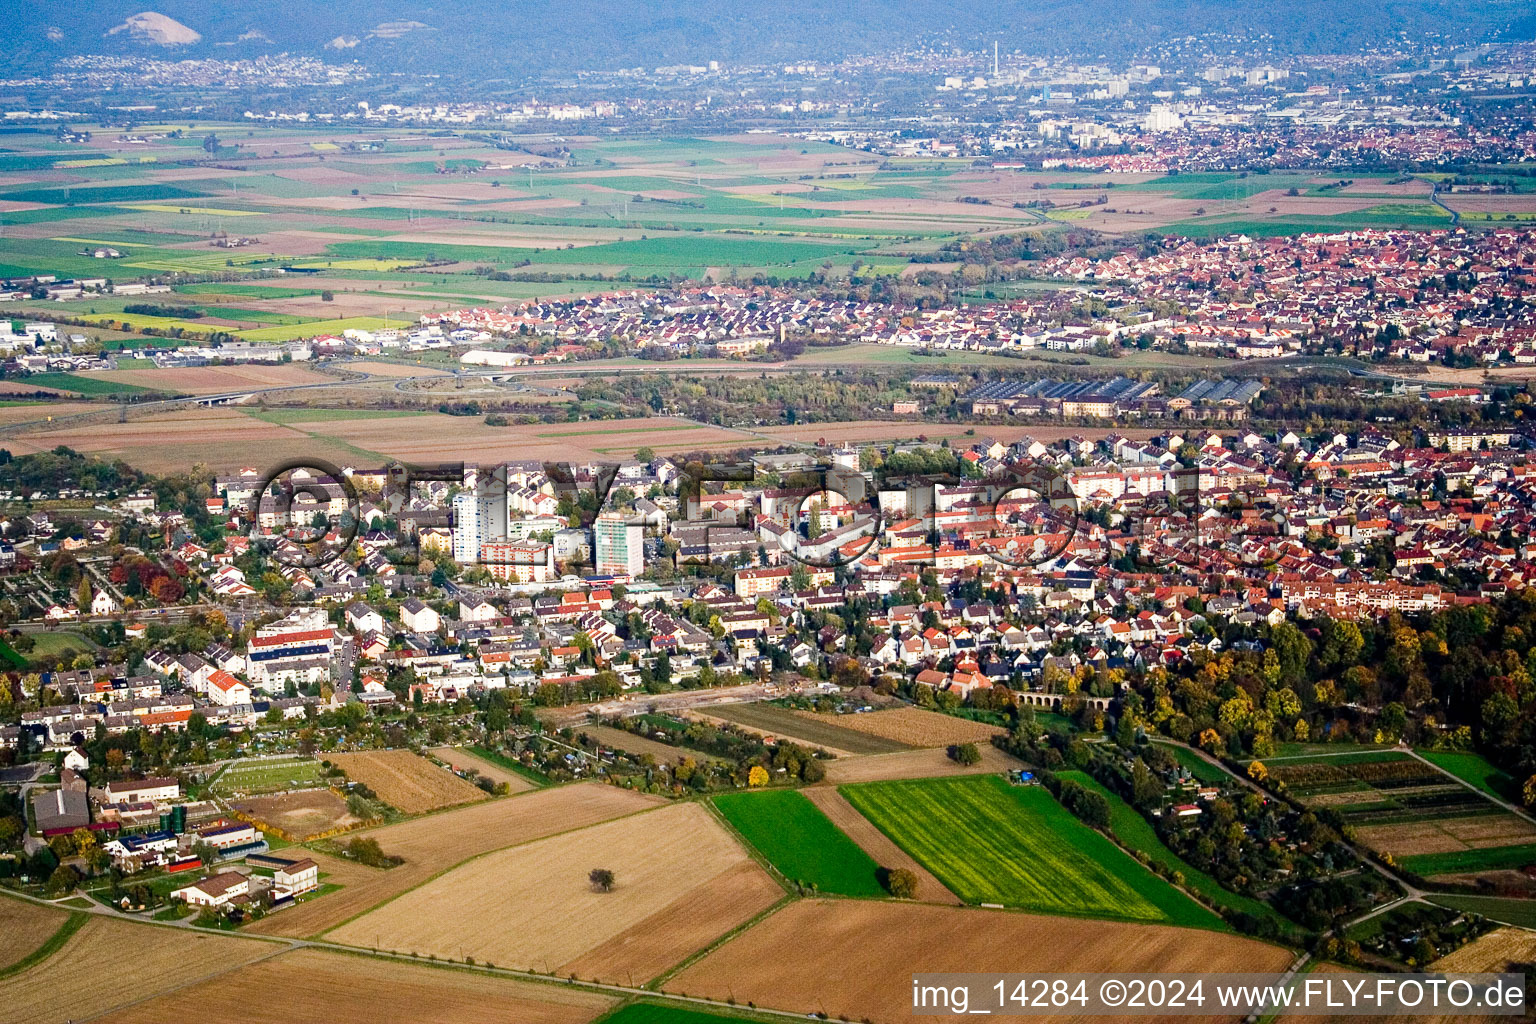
(965, 753)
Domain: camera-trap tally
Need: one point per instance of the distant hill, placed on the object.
(631, 33)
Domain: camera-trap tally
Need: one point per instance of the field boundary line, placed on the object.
(752, 852)
(627, 993)
(699, 954)
(51, 945)
(189, 983)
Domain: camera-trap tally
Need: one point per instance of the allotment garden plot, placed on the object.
(1399, 805)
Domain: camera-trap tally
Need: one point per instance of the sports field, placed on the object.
(800, 842)
(991, 842)
(268, 775)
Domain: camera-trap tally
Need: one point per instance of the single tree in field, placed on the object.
(601, 879)
(901, 883)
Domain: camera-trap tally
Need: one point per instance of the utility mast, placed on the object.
(994, 58)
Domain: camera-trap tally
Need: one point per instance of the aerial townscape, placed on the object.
(623, 513)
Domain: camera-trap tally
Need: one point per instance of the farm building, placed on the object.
(214, 891)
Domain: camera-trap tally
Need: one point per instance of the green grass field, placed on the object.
(801, 842)
(11, 657)
(52, 644)
(1135, 832)
(268, 776)
(1493, 858)
(1520, 913)
(1198, 766)
(991, 842)
(1298, 750)
(83, 385)
(667, 1013)
(1475, 769)
(288, 332)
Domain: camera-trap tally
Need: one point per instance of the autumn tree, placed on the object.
(901, 883)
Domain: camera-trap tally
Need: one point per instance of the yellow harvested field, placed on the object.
(406, 780)
(24, 927)
(658, 859)
(879, 946)
(877, 844)
(1490, 953)
(914, 764)
(77, 982)
(463, 759)
(680, 929)
(913, 726)
(435, 843)
(312, 985)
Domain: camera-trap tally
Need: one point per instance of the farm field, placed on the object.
(164, 957)
(24, 927)
(925, 762)
(256, 776)
(1134, 832)
(991, 842)
(1467, 860)
(876, 843)
(1514, 911)
(913, 727)
(84, 384)
(208, 380)
(688, 924)
(621, 739)
(1424, 818)
(879, 944)
(659, 858)
(313, 985)
(478, 828)
(800, 841)
(407, 781)
(813, 731)
(229, 438)
(171, 441)
(1420, 1018)
(461, 759)
(665, 1013)
(299, 815)
(1490, 953)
